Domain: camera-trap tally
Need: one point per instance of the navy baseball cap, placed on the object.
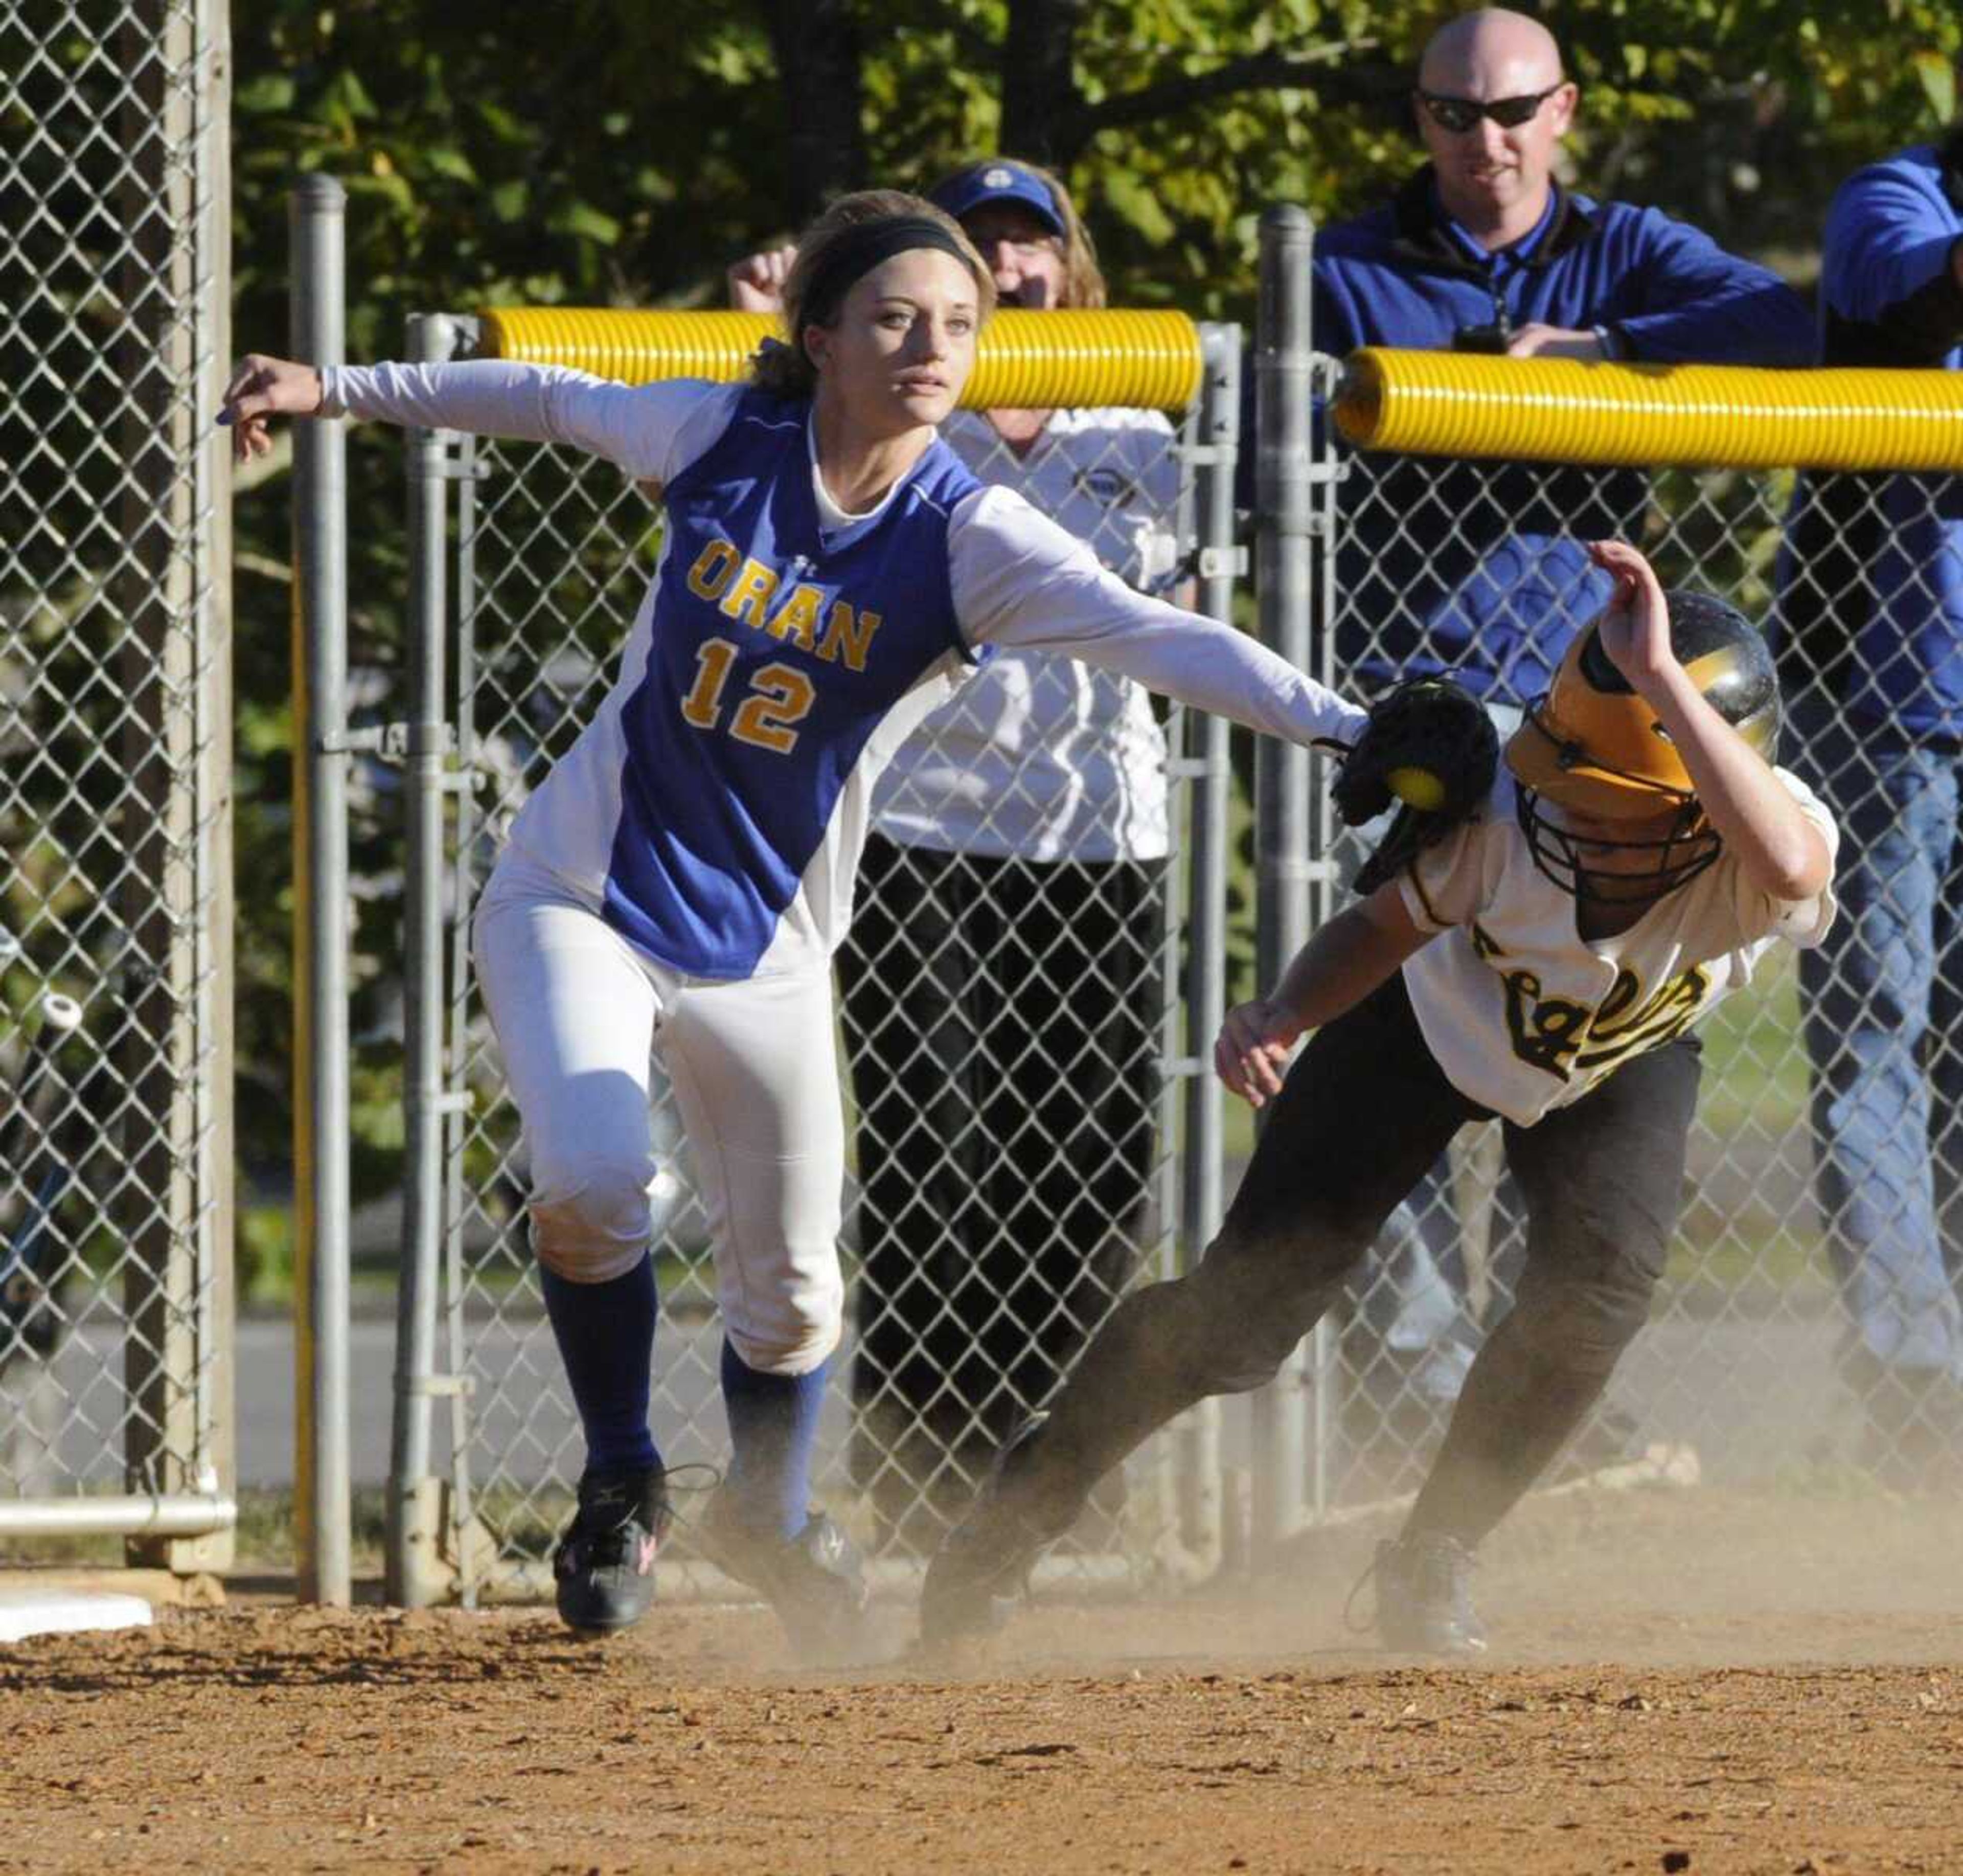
(998, 180)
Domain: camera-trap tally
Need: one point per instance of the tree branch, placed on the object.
(1039, 78)
(1332, 71)
(820, 62)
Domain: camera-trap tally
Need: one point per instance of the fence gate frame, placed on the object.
(438, 1547)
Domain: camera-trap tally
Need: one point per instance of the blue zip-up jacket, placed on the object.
(1871, 604)
(1478, 568)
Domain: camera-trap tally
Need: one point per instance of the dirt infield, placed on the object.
(1680, 1682)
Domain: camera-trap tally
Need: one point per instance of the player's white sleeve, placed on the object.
(1447, 883)
(652, 430)
(1020, 581)
(1803, 922)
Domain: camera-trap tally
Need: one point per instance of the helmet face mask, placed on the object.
(1594, 746)
(1678, 856)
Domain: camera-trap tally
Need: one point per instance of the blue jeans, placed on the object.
(1883, 997)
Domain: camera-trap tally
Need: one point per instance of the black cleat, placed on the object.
(604, 1565)
(980, 1574)
(815, 1581)
(1424, 1598)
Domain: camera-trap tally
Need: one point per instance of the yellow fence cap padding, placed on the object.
(1439, 403)
(635, 347)
(1045, 360)
(1033, 360)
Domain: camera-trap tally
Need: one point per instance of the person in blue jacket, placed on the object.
(1478, 569)
(1871, 641)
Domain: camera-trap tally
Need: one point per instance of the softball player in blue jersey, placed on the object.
(830, 572)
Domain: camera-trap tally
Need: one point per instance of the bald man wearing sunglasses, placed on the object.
(1485, 237)
(1483, 250)
(1478, 569)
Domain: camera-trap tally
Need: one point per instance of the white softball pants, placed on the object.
(578, 1015)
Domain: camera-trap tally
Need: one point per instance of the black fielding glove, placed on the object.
(1428, 744)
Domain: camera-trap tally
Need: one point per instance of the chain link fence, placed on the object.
(1810, 1314)
(1803, 1321)
(1005, 992)
(1014, 1041)
(115, 1207)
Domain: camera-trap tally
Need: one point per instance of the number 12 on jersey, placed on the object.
(779, 695)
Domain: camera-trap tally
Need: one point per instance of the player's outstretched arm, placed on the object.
(1781, 852)
(1021, 581)
(1346, 960)
(649, 430)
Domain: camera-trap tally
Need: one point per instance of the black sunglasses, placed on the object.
(1461, 114)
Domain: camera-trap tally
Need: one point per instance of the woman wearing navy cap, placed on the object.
(1002, 984)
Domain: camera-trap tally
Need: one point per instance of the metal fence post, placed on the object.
(219, 1317)
(1282, 371)
(415, 1574)
(175, 915)
(473, 1552)
(1322, 1371)
(1206, 964)
(323, 1512)
(1202, 1514)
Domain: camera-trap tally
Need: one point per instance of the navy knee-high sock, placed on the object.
(606, 1337)
(773, 1435)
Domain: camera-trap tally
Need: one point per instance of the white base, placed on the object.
(25, 1612)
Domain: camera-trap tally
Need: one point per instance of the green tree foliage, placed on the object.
(614, 151)
(598, 151)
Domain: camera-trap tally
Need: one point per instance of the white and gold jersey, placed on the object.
(1522, 1013)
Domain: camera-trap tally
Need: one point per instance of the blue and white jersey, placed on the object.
(714, 809)
(783, 648)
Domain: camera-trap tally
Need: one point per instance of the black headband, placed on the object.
(861, 248)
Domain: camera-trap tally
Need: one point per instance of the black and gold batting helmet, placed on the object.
(1593, 744)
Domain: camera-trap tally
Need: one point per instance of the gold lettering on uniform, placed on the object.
(1673, 1008)
(713, 566)
(849, 632)
(1484, 946)
(1560, 1037)
(797, 619)
(748, 598)
(1622, 997)
(1545, 1032)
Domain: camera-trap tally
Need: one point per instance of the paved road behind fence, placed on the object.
(1759, 1394)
